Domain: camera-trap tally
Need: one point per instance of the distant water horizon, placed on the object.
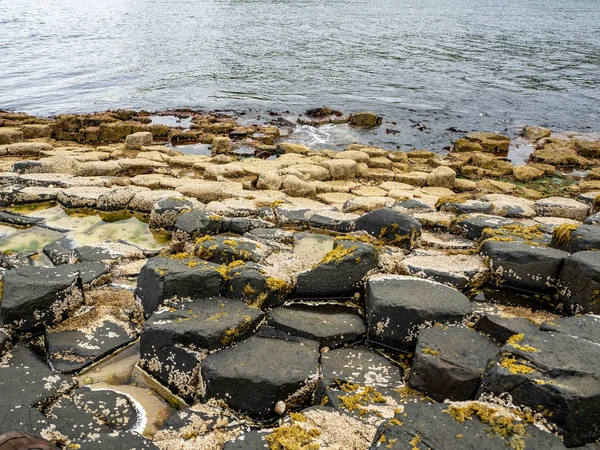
(429, 67)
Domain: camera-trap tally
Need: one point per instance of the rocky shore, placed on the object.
(268, 295)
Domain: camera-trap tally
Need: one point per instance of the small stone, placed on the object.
(136, 141)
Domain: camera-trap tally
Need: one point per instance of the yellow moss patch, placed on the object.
(231, 242)
(562, 233)
(249, 290)
(365, 238)
(231, 334)
(293, 437)
(204, 239)
(414, 442)
(277, 284)
(338, 254)
(514, 340)
(513, 367)
(430, 351)
(364, 396)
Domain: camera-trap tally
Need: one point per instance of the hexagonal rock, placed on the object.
(117, 199)
(333, 220)
(340, 271)
(472, 227)
(461, 426)
(163, 278)
(341, 169)
(81, 197)
(255, 286)
(522, 266)
(136, 141)
(555, 373)
(397, 306)
(165, 212)
(582, 238)
(10, 135)
(500, 329)
(255, 375)
(225, 249)
(198, 223)
(441, 176)
(585, 327)
(579, 284)
(34, 296)
(143, 201)
(330, 325)
(562, 207)
(26, 380)
(509, 206)
(391, 226)
(467, 207)
(174, 342)
(449, 362)
(459, 271)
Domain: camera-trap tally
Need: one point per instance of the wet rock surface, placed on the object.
(246, 291)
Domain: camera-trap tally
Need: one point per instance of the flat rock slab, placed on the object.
(330, 325)
(359, 365)
(198, 223)
(26, 380)
(19, 219)
(33, 296)
(449, 362)
(552, 372)
(434, 426)
(339, 273)
(72, 350)
(333, 220)
(459, 271)
(472, 227)
(577, 296)
(500, 329)
(225, 249)
(566, 208)
(163, 278)
(258, 373)
(585, 327)
(396, 306)
(174, 342)
(522, 266)
(391, 226)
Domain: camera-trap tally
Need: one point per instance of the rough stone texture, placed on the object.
(582, 238)
(552, 372)
(143, 201)
(391, 226)
(449, 362)
(397, 306)
(250, 282)
(198, 223)
(224, 249)
(472, 227)
(500, 329)
(330, 325)
(10, 135)
(81, 197)
(522, 266)
(117, 199)
(365, 119)
(509, 206)
(333, 220)
(578, 296)
(420, 425)
(562, 207)
(339, 273)
(165, 212)
(441, 176)
(163, 278)
(33, 296)
(586, 327)
(341, 169)
(258, 373)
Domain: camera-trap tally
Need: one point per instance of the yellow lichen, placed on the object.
(204, 239)
(277, 284)
(561, 234)
(231, 334)
(182, 255)
(513, 367)
(293, 437)
(231, 242)
(338, 254)
(249, 290)
(514, 340)
(430, 351)
(364, 396)
(414, 442)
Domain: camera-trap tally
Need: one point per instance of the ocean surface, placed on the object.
(433, 68)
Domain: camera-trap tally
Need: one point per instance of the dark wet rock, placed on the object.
(551, 372)
(5, 342)
(413, 205)
(397, 306)
(271, 235)
(225, 249)
(19, 219)
(524, 266)
(14, 261)
(467, 207)
(582, 238)
(61, 251)
(174, 342)
(198, 223)
(578, 296)
(26, 380)
(365, 119)
(72, 350)
(534, 235)
(163, 278)
(585, 327)
(165, 212)
(500, 329)
(250, 282)
(333, 220)
(241, 225)
(459, 271)
(92, 272)
(93, 253)
(258, 373)
(472, 227)
(121, 441)
(391, 226)
(449, 362)
(330, 325)
(33, 296)
(251, 440)
(435, 426)
(593, 219)
(359, 365)
(340, 271)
